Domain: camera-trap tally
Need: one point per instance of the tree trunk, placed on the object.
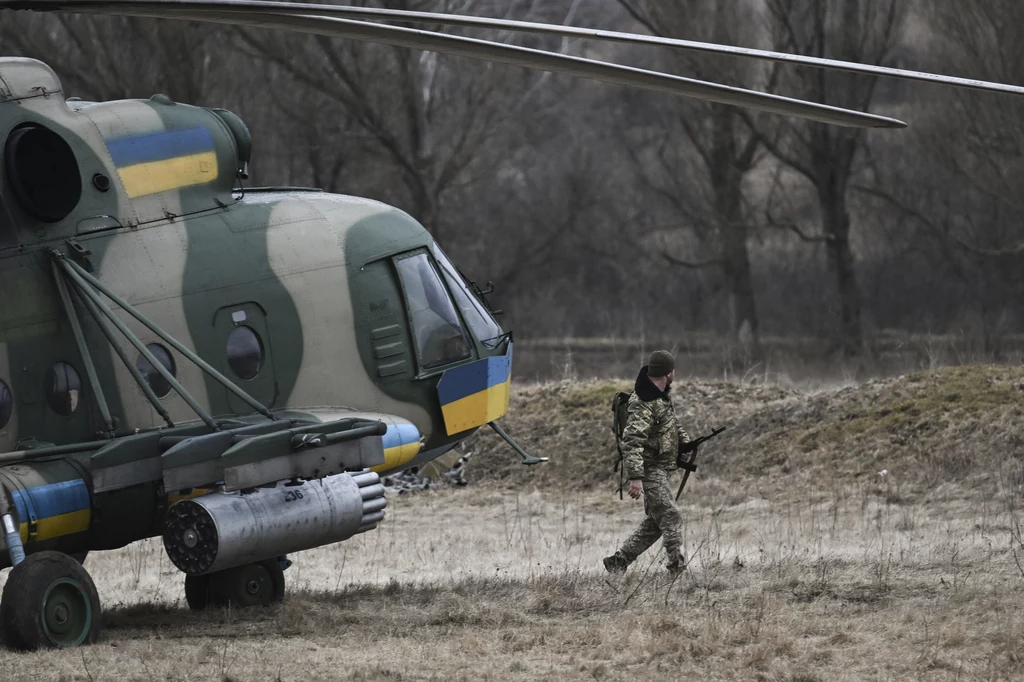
(836, 221)
(425, 205)
(744, 324)
(727, 185)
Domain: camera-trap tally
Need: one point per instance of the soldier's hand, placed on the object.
(636, 489)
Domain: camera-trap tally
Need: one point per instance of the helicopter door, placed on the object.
(247, 358)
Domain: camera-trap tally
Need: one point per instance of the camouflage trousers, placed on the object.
(662, 520)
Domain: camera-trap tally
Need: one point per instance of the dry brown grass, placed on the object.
(570, 422)
(963, 426)
(809, 567)
(489, 584)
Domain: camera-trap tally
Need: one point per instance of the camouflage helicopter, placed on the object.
(234, 371)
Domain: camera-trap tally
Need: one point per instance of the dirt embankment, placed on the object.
(963, 426)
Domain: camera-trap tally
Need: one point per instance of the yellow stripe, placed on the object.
(56, 526)
(397, 456)
(198, 492)
(477, 409)
(163, 176)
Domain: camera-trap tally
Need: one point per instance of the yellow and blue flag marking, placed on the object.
(164, 161)
(475, 394)
(401, 444)
(56, 509)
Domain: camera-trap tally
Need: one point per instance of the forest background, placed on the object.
(612, 220)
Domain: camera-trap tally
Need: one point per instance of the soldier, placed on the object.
(650, 446)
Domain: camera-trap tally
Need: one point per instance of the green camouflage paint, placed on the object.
(311, 272)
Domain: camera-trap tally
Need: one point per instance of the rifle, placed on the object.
(688, 466)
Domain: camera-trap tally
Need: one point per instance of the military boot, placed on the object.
(616, 563)
(676, 565)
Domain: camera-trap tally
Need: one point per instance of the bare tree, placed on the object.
(826, 156)
(696, 157)
(985, 152)
(560, 189)
(429, 117)
(960, 186)
(117, 57)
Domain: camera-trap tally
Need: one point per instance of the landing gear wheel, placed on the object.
(259, 584)
(49, 601)
(197, 591)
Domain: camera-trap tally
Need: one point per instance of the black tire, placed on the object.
(49, 601)
(197, 591)
(259, 584)
(80, 556)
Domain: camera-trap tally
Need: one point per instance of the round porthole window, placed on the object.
(156, 381)
(6, 405)
(245, 352)
(63, 388)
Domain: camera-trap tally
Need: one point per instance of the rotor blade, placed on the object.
(374, 13)
(480, 49)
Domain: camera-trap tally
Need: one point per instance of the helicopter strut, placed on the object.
(83, 349)
(88, 286)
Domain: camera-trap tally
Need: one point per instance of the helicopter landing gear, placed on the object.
(258, 584)
(197, 591)
(49, 601)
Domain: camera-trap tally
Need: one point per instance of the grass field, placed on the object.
(806, 561)
(488, 584)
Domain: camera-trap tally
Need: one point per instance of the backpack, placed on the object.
(620, 414)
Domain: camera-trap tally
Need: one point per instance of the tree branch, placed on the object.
(795, 229)
(640, 18)
(693, 265)
(1013, 250)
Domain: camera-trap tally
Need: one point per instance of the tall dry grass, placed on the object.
(487, 584)
(871, 532)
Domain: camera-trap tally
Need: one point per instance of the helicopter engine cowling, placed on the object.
(222, 530)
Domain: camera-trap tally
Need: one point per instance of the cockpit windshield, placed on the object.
(440, 338)
(479, 320)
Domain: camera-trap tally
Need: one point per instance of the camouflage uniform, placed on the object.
(650, 444)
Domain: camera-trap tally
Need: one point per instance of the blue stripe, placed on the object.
(52, 500)
(400, 434)
(135, 149)
(19, 504)
(460, 382)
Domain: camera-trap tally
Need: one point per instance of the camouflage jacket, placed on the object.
(651, 437)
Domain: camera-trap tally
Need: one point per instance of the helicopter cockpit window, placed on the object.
(161, 387)
(440, 338)
(480, 321)
(245, 353)
(6, 405)
(63, 388)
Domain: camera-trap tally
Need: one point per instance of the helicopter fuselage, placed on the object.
(320, 307)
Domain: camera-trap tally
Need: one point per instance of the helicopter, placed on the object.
(234, 371)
